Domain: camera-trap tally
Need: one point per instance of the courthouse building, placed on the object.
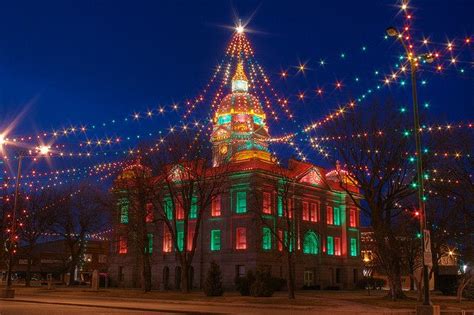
(325, 220)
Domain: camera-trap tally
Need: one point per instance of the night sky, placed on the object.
(92, 61)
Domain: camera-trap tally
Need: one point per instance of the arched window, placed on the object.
(311, 243)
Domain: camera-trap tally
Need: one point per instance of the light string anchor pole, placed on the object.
(8, 291)
(414, 62)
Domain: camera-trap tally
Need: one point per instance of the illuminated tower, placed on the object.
(239, 131)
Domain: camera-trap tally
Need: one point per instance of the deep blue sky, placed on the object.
(91, 61)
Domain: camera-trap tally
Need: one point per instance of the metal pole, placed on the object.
(13, 229)
(419, 170)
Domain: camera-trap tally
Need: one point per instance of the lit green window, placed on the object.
(224, 119)
(353, 247)
(150, 243)
(280, 206)
(258, 120)
(193, 210)
(241, 206)
(330, 245)
(215, 240)
(123, 206)
(168, 208)
(311, 243)
(266, 239)
(337, 216)
(180, 235)
(288, 243)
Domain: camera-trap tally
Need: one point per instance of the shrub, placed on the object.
(213, 284)
(277, 283)
(243, 284)
(448, 284)
(262, 286)
(372, 283)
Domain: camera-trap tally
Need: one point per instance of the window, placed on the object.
(168, 205)
(194, 208)
(102, 259)
(329, 215)
(338, 275)
(179, 210)
(150, 243)
(215, 240)
(280, 206)
(123, 247)
(353, 247)
(241, 206)
(313, 213)
(290, 208)
(280, 240)
(123, 206)
(180, 236)
(241, 238)
(337, 246)
(167, 241)
(352, 218)
(240, 271)
(330, 245)
(266, 239)
(289, 242)
(267, 202)
(305, 211)
(216, 206)
(149, 213)
(311, 243)
(189, 243)
(120, 273)
(337, 216)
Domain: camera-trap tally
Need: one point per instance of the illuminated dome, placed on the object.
(239, 131)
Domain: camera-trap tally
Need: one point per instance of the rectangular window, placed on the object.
(329, 215)
(305, 211)
(123, 247)
(167, 241)
(123, 206)
(215, 240)
(353, 247)
(180, 239)
(240, 271)
(266, 239)
(352, 218)
(330, 245)
(241, 204)
(337, 216)
(267, 203)
(189, 243)
(280, 206)
(290, 208)
(149, 213)
(313, 212)
(288, 242)
(241, 238)
(179, 210)
(216, 206)
(150, 243)
(168, 205)
(194, 208)
(337, 246)
(280, 240)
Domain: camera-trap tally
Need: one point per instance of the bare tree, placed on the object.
(79, 214)
(36, 218)
(184, 186)
(378, 164)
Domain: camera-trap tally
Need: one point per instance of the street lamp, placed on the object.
(8, 292)
(413, 59)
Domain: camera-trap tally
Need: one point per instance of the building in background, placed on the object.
(327, 240)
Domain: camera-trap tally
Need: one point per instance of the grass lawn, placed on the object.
(303, 298)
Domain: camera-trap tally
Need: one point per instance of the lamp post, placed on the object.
(9, 292)
(413, 59)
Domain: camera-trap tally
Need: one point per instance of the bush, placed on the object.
(277, 283)
(243, 284)
(213, 284)
(448, 284)
(262, 286)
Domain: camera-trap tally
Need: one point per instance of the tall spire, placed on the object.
(239, 80)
